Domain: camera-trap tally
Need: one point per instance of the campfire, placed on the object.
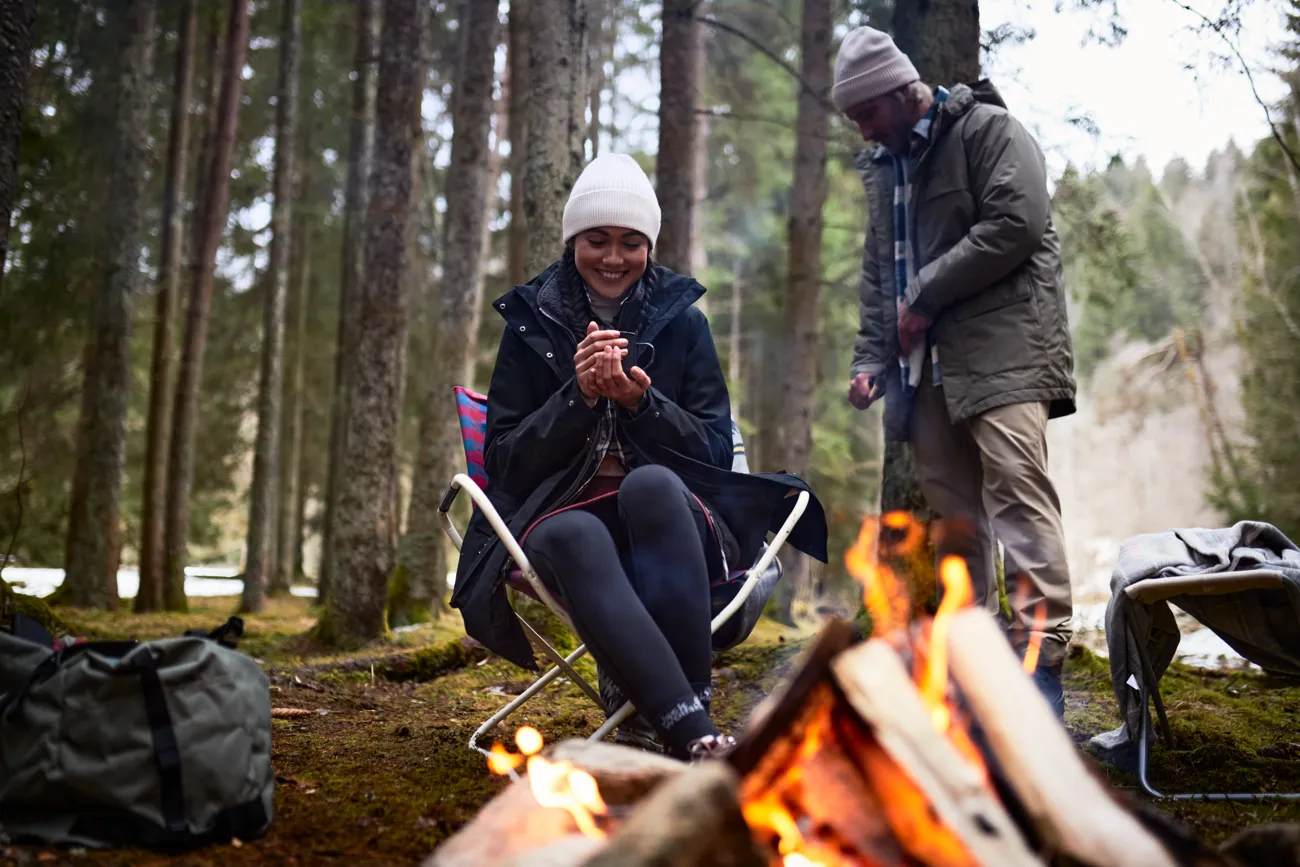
(927, 744)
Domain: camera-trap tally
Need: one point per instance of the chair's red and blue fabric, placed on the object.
(471, 409)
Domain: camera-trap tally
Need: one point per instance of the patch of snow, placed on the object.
(199, 581)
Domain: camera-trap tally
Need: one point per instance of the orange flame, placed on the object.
(915, 825)
(883, 590)
(553, 784)
(1035, 639)
(933, 682)
(502, 762)
(884, 596)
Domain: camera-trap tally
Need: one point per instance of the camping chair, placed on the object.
(1150, 591)
(472, 411)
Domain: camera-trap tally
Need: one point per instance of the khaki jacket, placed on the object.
(988, 266)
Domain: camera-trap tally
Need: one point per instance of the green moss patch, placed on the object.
(1233, 731)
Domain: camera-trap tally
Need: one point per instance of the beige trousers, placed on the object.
(992, 469)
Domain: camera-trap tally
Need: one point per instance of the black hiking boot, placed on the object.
(634, 731)
(1048, 680)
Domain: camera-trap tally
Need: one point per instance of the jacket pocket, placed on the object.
(1013, 289)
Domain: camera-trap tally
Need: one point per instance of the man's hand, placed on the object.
(613, 383)
(590, 351)
(911, 328)
(864, 390)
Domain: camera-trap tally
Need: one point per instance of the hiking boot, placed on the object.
(1048, 680)
(634, 731)
(710, 748)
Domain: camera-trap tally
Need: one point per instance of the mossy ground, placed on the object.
(1233, 731)
(379, 773)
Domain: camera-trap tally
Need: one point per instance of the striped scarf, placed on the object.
(904, 253)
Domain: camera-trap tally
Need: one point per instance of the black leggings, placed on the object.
(635, 580)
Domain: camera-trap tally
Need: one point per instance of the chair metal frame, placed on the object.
(564, 664)
(1162, 589)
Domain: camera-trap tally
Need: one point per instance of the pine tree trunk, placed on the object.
(15, 60)
(266, 454)
(942, 38)
(94, 550)
(496, 163)
(555, 113)
(517, 74)
(679, 132)
(300, 522)
(173, 584)
(599, 13)
(804, 267)
(424, 549)
(700, 165)
(150, 595)
(211, 220)
(365, 521)
(361, 139)
(208, 124)
(733, 341)
(291, 469)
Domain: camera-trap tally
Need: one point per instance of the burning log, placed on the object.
(1070, 808)
(567, 851)
(693, 820)
(514, 825)
(877, 686)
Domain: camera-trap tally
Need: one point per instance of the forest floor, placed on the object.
(378, 772)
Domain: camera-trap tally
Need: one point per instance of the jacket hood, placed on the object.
(961, 99)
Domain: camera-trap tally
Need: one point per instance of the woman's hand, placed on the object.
(613, 383)
(590, 352)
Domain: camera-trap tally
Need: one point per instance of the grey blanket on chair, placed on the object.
(1261, 625)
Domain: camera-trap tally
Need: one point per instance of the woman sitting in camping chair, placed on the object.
(608, 454)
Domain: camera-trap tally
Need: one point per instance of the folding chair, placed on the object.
(471, 408)
(1154, 590)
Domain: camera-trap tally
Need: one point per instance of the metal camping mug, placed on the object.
(638, 354)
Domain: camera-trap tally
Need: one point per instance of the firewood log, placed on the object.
(693, 820)
(1070, 807)
(878, 687)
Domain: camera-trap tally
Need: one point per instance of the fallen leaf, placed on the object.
(288, 712)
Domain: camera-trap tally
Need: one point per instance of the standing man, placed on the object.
(963, 325)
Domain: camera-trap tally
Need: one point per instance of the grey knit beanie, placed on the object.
(868, 65)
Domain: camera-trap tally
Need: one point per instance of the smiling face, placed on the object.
(885, 120)
(611, 259)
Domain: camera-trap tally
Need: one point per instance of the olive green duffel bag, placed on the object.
(164, 744)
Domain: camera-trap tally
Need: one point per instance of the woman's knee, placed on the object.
(649, 488)
(569, 536)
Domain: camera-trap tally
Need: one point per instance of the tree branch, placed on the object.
(1218, 27)
(769, 54)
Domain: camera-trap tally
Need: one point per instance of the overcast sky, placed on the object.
(1139, 94)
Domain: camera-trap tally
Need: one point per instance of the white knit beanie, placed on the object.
(612, 191)
(868, 65)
